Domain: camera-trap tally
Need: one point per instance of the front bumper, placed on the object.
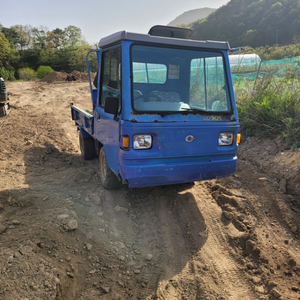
(142, 173)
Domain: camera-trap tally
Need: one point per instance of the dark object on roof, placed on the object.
(170, 31)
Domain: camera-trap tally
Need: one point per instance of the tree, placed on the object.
(54, 38)
(22, 38)
(10, 34)
(8, 55)
(39, 37)
(78, 58)
(71, 37)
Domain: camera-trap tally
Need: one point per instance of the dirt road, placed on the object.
(63, 236)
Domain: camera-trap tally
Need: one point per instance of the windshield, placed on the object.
(178, 80)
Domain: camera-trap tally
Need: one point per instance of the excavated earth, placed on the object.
(63, 237)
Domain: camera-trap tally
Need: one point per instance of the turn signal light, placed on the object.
(238, 138)
(125, 141)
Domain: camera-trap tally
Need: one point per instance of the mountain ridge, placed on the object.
(191, 16)
(259, 23)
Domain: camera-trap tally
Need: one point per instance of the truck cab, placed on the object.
(164, 110)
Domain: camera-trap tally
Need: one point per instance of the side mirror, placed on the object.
(112, 106)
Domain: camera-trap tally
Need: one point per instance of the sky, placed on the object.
(98, 18)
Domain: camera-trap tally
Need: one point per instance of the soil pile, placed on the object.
(80, 76)
(62, 76)
(54, 76)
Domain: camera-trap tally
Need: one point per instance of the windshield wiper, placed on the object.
(197, 110)
(174, 112)
(185, 111)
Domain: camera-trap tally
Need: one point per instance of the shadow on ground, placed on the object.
(124, 243)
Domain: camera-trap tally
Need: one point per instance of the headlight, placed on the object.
(142, 141)
(225, 138)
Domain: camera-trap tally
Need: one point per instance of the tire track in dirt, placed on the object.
(164, 211)
(268, 251)
(224, 274)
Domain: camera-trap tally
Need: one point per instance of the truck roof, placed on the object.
(138, 37)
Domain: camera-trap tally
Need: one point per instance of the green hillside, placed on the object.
(252, 23)
(192, 16)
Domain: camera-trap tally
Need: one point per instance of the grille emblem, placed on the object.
(189, 139)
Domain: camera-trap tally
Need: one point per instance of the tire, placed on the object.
(108, 178)
(87, 148)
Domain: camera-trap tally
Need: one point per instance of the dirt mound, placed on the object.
(80, 75)
(54, 76)
(62, 76)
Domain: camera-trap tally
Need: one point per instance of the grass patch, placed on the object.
(271, 108)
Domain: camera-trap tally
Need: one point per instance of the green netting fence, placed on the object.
(250, 67)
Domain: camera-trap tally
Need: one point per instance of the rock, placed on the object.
(10, 259)
(149, 257)
(74, 214)
(105, 289)
(2, 229)
(137, 271)
(282, 185)
(228, 215)
(260, 289)
(95, 198)
(241, 217)
(120, 208)
(275, 293)
(71, 225)
(263, 179)
(203, 234)
(93, 271)
(16, 222)
(1, 207)
(63, 216)
(294, 229)
(249, 246)
(89, 247)
(120, 245)
(256, 279)
(71, 275)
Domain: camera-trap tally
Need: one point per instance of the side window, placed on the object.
(111, 75)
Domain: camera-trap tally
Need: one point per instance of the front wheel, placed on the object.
(108, 178)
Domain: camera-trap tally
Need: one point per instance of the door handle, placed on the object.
(97, 116)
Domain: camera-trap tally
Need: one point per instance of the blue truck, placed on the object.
(164, 110)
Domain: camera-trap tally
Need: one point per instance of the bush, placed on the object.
(7, 74)
(42, 71)
(27, 74)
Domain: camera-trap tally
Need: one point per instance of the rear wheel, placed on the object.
(108, 178)
(87, 148)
